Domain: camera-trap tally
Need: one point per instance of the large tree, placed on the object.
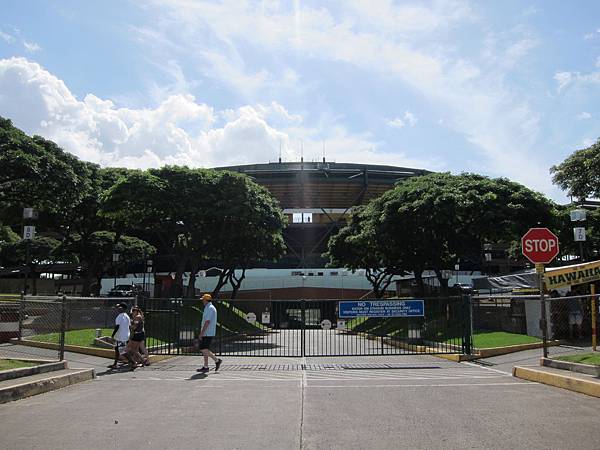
(579, 174)
(201, 216)
(428, 222)
(35, 172)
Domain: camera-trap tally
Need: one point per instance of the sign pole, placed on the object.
(544, 323)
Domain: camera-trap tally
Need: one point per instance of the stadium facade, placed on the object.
(317, 197)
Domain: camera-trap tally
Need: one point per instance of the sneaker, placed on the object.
(202, 370)
(218, 364)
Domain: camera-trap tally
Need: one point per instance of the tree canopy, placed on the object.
(579, 174)
(428, 222)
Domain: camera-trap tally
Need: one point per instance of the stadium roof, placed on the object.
(325, 184)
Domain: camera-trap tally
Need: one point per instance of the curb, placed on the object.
(34, 370)
(25, 390)
(100, 352)
(591, 388)
(496, 351)
(571, 366)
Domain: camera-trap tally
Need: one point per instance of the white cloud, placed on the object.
(598, 61)
(178, 130)
(31, 47)
(396, 123)
(565, 79)
(410, 118)
(407, 119)
(6, 37)
(584, 115)
(385, 39)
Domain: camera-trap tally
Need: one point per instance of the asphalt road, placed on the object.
(385, 402)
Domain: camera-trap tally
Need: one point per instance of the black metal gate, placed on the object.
(294, 328)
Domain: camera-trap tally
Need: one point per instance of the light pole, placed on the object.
(115, 260)
(578, 215)
(29, 214)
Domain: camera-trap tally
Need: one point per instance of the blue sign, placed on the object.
(382, 308)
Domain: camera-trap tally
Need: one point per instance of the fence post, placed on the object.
(594, 315)
(63, 326)
(467, 324)
(303, 330)
(21, 315)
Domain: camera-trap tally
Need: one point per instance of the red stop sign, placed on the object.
(539, 245)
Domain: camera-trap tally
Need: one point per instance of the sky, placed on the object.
(504, 88)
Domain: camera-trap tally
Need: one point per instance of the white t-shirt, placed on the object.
(122, 333)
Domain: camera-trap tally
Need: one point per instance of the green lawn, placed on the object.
(490, 339)
(583, 358)
(6, 364)
(83, 338)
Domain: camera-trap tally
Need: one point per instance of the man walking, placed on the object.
(121, 335)
(207, 333)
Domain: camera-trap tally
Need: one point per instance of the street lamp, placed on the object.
(579, 215)
(115, 260)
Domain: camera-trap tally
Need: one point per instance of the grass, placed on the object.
(82, 338)
(7, 364)
(583, 358)
(490, 339)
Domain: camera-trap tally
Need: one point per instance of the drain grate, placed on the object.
(294, 367)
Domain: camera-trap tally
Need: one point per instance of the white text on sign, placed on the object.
(539, 245)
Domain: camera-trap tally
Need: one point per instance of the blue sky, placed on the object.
(501, 88)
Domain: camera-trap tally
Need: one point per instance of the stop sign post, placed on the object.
(539, 245)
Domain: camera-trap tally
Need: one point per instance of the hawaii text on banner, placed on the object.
(382, 308)
(572, 275)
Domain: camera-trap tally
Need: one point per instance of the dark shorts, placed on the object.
(205, 342)
(138, 337)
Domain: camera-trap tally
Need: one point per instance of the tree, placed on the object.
(94, 254)
(357, 246)
(201, 216)
(31, 254)
(37, 173)
(428, 222)
(579, 174)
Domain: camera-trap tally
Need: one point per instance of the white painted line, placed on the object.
(363, 386)
(486, 368)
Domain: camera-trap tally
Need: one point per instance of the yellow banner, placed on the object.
(570, 276)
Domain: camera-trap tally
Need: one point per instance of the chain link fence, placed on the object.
(40, 327)
(568, 323)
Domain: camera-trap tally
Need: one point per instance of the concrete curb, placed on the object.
(27, 371)
(28, 389)
(100, 352)
(496, 351)
(571, 366)
(587, 387)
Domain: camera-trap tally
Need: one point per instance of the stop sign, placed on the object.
(539, 245)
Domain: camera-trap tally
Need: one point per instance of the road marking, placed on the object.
(362, 386)
(486, 368)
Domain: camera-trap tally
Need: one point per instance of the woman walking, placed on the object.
(138, 335)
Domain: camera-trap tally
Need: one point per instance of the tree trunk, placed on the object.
(419, 280)
(223, 276)
(236, 282)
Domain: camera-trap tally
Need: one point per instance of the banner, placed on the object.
(572, 275)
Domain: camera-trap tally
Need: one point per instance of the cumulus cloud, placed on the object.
(178, 130)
